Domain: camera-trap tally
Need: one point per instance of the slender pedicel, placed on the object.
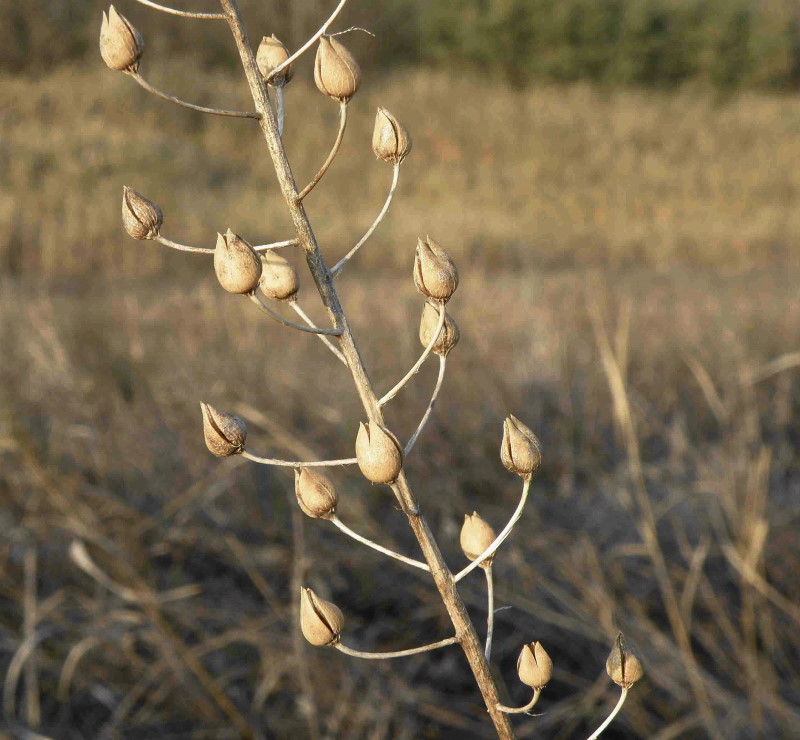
(184, 13)
(375, 546)
(331, 156)
(398, 653)
(273, 314)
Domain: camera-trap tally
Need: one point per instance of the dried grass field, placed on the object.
(630, 265)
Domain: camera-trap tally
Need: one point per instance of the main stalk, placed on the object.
(442, 576)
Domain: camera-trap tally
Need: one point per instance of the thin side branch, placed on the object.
(418, 364)
(334, 151)
(308, 44)
(489, 551)
(182, 247)
(202, 109)
(275, 245)
(275, 315)
(340, 265)
(298, 463)
(184, 13)
(522, 710)
(302, 314)
(610, 717)
(399, 653)
(490, 605)
(375, 546)
(431, 403)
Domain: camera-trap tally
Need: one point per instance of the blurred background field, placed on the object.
(629, 244)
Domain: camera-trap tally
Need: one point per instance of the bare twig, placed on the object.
(161, 239)
(610, 717)
(298, 463)
(184, 13)
(340, 265)
(302, 314)
(200, 108)
(522, 710)
(279, 109)
(375, 546)
(418, 364)
(490, 606)
(332, 155)
(427, 415)
(275, 245)
(275, 315)
(398, 653)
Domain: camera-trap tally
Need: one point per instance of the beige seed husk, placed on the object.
(534, 666)
(237, 266)
(278, 277)
(225, 434)
(623, 666)
(448, 336)
(320, 620)
(315, 493)
(272, 53)
(520, 451)
(435, 273)
(336, 71)
(391, 141)
(476, 536)
(121, 45)
(379, 454)
(141, 218)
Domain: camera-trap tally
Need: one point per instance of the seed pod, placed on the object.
(141, 218)
(519, 450)
(534, 666)
(121, 45)
(272, 53)
(315, 494)
(435, 274)
(224, 433)
(320, 620)
(390, 139)
(336, 71)
(448, 336)
(623, 665)
(278, 278)
(476, 536)
(237, 266)
(379, 454)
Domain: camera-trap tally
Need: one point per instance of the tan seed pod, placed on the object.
(448, 336)
(272, 53)
(336, 71)
(391, 141)
(476, 536)
(315, 493)
(238, 267)
(624, 666)
(121, 45)
(141, 218)
(534, 666)
(435, 273)
(519, 451)
(379, 454)
(225, 434)
(278, 277)
(320, 621)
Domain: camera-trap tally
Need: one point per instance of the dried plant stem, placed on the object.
(522, 710)
(200, 108)
(302, 314)
(298, 463)
(340, 265)
(275, 245)
(418, 364)
(182, 247)
(489, 551)
(375, 546)
(183, 13)
(32, 704)
(431, 404)
(443, 578)
(279, 109)
(398, 653)
(275, 315)
(490, 606)
(610, 717)
(332, 155)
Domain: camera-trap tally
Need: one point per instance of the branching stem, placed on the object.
(397, 654)
(328, 343)
(340, 265)
(298, 463)
(431, 403)
(375, 546)
(275, 315)
(490, 606)
(184, 13)
(279, 109)
(522, 710)
(334, 150)
(610, 717)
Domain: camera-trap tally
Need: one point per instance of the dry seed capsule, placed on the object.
(320, 620)
(476, 536)
(448, 336)
(315, 494)
(225, 434)
(435, 274)
(390, 139)
(278, 278)
(121, 45)
(379, 454)
(534, 666)
(272, 53)
(141, 218)
(519, 450)
(336, 71)
(237, 266)
(623, 665)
